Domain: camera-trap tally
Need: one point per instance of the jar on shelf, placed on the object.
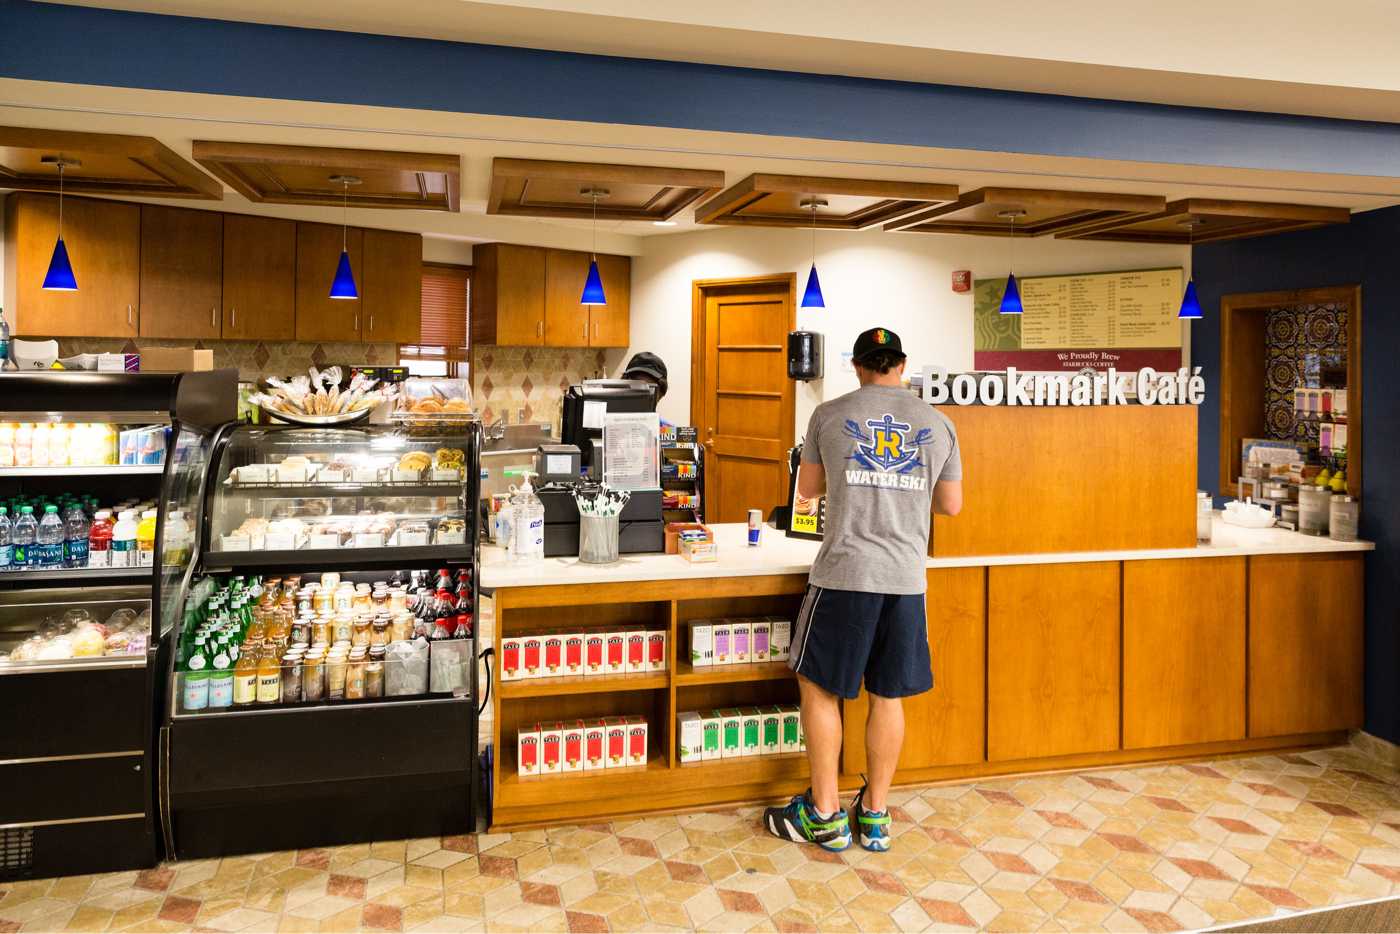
(344, 598)
(321, 629)
(379, 631)
(1314, 507)
(398, 600)
(323, 601)
(1344, 517)
(401, 628)
(344, 625)
(360, 630)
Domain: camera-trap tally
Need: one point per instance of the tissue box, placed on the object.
(175, 360)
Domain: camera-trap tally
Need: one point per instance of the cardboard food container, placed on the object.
(674, 530)
(175, 360)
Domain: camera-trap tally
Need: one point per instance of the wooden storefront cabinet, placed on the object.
(1052, 660)
(318, 316)
(1183, 651)
(260, 278)
(181, 272)
(945, 726)
(393, 286)
(610, 324)
(565, 320)
(508, 295)
(1306, 653)
(104, 246)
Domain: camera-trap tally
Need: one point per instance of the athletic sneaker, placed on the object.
(873, 827)
(799, 823)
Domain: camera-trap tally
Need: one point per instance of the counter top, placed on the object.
(782, 555)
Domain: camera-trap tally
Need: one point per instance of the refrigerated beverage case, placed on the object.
(6, 549)
(124, 540)
(100, 540)
(48, 542)
(146, 539)
(75, 535)
(22, 537)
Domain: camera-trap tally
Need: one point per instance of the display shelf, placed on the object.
(105, 470)
(583, 684)
(94, 663)
(598, 781)
(347, 488)
(740, 769)
(728, 674)
(78, 575)
(337, 558)
(253, 710)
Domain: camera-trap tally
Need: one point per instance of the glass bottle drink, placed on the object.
(269, 676)
(221, 675)
(245, 676)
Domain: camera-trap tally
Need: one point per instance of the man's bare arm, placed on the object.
(947, 497)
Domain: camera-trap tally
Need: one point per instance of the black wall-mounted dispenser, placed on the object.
(804, 355)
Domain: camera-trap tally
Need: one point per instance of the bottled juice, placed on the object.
(39, 445)
(269, 676)
(245, 675)
(24, 444)
(146, 539)
(58, 445)
(7, 444)
(100, 540)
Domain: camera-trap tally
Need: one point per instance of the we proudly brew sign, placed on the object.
(1109, 387)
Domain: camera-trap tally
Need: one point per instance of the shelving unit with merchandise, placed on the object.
(80, 605)
(330, 625)
(682, 475)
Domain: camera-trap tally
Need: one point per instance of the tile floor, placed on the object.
(1155, 848)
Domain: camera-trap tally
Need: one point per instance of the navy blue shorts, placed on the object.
(844, 636)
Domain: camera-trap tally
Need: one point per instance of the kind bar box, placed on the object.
(636, 652)
(511, 669)
(740, 641)
(792, 730)
(761, 640)
(615, 657)
(771, 731)
(551, 748)
(732, 734)
(531, 648)
(656, 650)
(702, 646)
(527, 750)
(616, 749)
(637, 740)
(594, 654)
(721, 633)
(595, 745)
(781, 637)
(712, 727)
(573, 653)
(553, 656)
(691, 732)
(573, 747)
(753, 728)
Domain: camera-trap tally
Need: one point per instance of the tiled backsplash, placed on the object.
(252, 359)
(507, 380)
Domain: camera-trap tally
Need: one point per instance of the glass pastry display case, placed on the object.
(329, 622)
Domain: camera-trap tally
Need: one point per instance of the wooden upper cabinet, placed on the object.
(565, 320)
(104, 246)
(610, 324)
(318, 316)
(181, 272)
(392, 288)
(260, 278)
(508, 295)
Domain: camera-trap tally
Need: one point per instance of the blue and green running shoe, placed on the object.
(798, 822)
(873, 827)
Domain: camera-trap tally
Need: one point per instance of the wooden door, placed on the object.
(182, 269)
(610, 324)
(320, 317)
(393, 286)
(104, 245)
(260, 278)
(565, 320)
(1052, 664)
(1306, 652)
(1183, 651)
(741, 398)
(945, 726)
(508, 295)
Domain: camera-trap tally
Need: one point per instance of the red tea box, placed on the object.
(595, 745)
(511, 669)
(573, 746)
(527, 754)
(615, 661)
(573, 653)
(656, 650)
(551, 747)
(616, 728)
(531, 652)
(636, 652)
(594, 654)
(553, 656)
(636, 740)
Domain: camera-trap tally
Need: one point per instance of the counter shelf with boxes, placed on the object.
(353, 561)
(80, 604)
(595, 745)
(761, 640)
(548, 655)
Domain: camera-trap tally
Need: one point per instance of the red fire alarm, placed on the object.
(962, 280)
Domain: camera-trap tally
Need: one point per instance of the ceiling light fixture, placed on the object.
(812, 295)
(593, 285)
(59, 277)
(343, 285)
(1011, 298)
(663, 223)
(1190, 303)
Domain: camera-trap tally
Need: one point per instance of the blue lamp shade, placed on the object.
(1011, 298)
(593, 287)
(1190, 304)
(812, 297)
(343, 286)
(60, 275)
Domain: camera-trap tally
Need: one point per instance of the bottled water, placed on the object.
(22, 539)
(75, 533)
(48, 547)
(6, 549)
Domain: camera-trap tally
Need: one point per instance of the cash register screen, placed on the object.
(587, 403)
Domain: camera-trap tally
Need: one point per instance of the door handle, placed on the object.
(234, 323)
(371, 324)
(539, 329)
(213, 317)
(357, 323)
(595, 330)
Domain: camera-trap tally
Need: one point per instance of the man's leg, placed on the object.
(821, 723)
(884, 737)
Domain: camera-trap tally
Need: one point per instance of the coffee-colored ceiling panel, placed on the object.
(99, 164)
(1026, 212)
(1203, 220)
(540, 188)
(840, 203)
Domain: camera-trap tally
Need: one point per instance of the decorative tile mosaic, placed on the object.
(1302, 342)
(509, 381)
(252, 359)
(1155, 848)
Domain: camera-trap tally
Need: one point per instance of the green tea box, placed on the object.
(731, 737)
(753, 731)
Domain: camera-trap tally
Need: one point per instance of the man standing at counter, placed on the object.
(885, 460)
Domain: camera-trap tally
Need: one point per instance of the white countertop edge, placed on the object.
(781, 555)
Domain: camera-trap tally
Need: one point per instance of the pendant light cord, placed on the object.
(595, 225)
(345, 216)
(60, 198)
(814, 230)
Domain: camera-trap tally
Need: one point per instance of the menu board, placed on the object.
(1126, 320)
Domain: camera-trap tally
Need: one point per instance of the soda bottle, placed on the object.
(76, 533)
(49, 541)
(6, 549)
(99, 550)
(124, 540)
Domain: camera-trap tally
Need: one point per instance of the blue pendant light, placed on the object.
(1190, 304)
(343, 285)
(1011, 298)
(812, 296)
(59, 277)
(593, 285)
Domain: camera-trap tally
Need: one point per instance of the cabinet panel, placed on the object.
(610, 324)
(181, 272)
(318, 316)
(1306, 654)
(1183, 651)
(260, 278)
(565, 320)
(104, 246)
(508, 295)
(1052, 660)
(945, 726)
(393, 286)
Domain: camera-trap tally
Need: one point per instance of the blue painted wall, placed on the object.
(1366, 251)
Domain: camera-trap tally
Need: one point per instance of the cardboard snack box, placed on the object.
(531, 652)
(761, 640)
(615, 661)
(573, 747)
(722, 635)
(616, 750)
(781, 637)
(637, 728)
(740, 639)
(732, 735)
(712, 729)
(771, 739)
(792, 730)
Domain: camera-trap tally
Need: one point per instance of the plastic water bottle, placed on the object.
(49, 543)
(6, 549)
(5, 362)
(22, 539)
(75, 533)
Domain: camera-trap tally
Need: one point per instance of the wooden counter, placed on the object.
(1040, 662)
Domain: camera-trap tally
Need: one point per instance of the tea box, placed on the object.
(595, 745)
(636, 659)
(740, 634)
(691, 732)
(702, 646)
(656, 650)
(752, 727)
(573, 747)
(527, 754)
(573, 653)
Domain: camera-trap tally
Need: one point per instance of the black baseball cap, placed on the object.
(876, 339)
(646, 363)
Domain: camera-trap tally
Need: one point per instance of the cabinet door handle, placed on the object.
(129, 322)
(595, 330)
(213, 317)
(371, 324)
(357, 324)
(234, 322)
(539, 329)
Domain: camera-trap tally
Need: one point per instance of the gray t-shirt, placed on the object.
(883, 449)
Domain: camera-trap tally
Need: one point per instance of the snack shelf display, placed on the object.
(80, 603)
(328, 623)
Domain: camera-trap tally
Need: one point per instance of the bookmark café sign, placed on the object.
(1109, 387)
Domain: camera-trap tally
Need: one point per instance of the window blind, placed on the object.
(445, 308)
